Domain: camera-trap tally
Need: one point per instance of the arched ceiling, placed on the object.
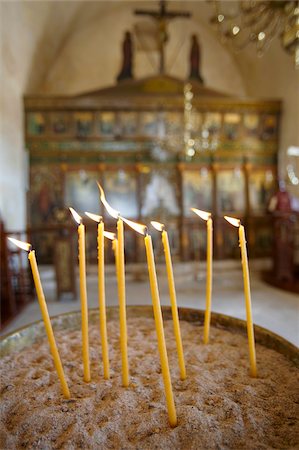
(65, 35)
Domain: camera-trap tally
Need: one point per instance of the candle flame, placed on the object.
(109, 235)
(139, 227)
(76, 216)
(94, 217)
(202, 214)
(159, 226)
(109, 208)
(23, 245)
(233, 221)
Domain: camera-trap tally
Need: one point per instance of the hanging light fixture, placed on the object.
(247, 22)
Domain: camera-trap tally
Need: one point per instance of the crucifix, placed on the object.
(162, 17)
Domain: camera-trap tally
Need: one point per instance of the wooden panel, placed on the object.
(131, 138)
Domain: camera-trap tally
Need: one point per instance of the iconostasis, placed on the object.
(134, 146)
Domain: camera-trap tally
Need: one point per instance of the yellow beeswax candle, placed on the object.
(160, 331)
(208, 218)
(250, 331)
(120, 262)
(84, 307)
(115, 249)
(47, 322)
(102, 300)
(174, 309)
(209, 280)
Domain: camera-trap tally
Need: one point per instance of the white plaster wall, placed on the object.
(91, 57)
(17, 47)
(22, 33)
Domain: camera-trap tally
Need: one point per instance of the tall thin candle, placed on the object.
(101, 294)
(207, 216)
(172, 294)
(121, 288)
(45, 315)
(83, 295)
(250, 330)
(158, 321)
(122, 301)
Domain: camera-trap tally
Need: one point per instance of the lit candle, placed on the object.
(207, 216)
(172, 294)
(101, 293)
(83, 295)
(120, 262)
(158, 320)
(114, 248)
(45, 314)
(112, 237)
(250, 330)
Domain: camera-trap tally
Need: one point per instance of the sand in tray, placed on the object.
(218, 406)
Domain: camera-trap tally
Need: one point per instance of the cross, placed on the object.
(162, 17)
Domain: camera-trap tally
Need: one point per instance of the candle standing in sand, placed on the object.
(250, 330)
(120, 262)
(83, 295)
(112, 237)
(101, 293)
(172, 294)
(142, 229)
(208, 218)
(45, 314)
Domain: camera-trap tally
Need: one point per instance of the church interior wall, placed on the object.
(72, 48)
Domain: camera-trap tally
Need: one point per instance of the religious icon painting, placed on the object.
(197, 190)
(212, 123)
(261, 188)
(251, 124)
(130, 244)
(148, 124)
(83, 124)
(45, 242)
(269, 128)
(128, 123)
(45, 195)
(174, 123)
(81, 190)
(60, 123)
(193, 239)
(263, 240)
(196, 121)
(36, 124)
(228, 241)
(121, 192)
(231, 191)
(106, 121)
(232, 126)
(159, 196)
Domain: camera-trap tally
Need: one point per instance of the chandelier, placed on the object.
(195, 140)
(247, 22)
